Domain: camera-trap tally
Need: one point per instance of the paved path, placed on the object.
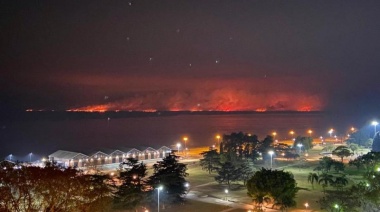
(197, 196)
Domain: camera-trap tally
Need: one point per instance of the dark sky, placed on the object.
(190, 55)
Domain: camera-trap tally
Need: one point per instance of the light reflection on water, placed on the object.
(45, 136)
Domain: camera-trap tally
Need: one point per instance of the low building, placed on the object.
(67, 158)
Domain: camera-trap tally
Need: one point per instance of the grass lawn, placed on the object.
(205, 184)
(191, 206)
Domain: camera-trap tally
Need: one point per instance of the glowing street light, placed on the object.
(310, 132)
(292, 133)
(178, 146)
(274, 135)
(185, 139)
(158, 197)
(271, 158)
(226, 192)
(218, 138)
(10, 157)
(331, 131)
(30, 157)
(375, 123)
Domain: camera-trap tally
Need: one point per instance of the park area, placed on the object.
(205, 194)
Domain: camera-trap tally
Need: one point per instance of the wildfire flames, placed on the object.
(216, 100)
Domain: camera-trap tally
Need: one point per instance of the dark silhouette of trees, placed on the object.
(307, 142)
(53, 189)
(227, 173)
(210, 161)
(277, 185)
(342, 152)
(170, 174)
(131, 192)
(312, 177)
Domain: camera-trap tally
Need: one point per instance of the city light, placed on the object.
(178, 146)
(185, 140)
(310, 132)
(375, 123)
(218, 138)
(274, 135)
(158, 197)
(271, 158)
(331, 131)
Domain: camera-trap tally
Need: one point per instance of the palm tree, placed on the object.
(325, 179)
(340, 182)
(313, 177)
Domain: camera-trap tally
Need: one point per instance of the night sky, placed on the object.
(190, 55)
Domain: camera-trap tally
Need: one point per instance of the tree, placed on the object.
(339, 201)
(131, 192)
(246, 171)
(170, 174)
(278, 185)
(353, 147)
(312, 177)
(325, 164)
(53, 188)
(338, 166)
(340, 182)
(326, 180)
(210, 161)
(227, 173)
(307, 142)
(342, 151)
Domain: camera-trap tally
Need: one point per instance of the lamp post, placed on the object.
(310, 132)
(331, 131)
(158, 198)
(271, 158)
(185, 139)
(10, 157)
(274, 135)
(226, 191)
(178, 146)
(30, 157)
(375, 123)
(292, 133)
(218, 138)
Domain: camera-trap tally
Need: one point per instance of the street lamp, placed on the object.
(218, 137)
(375, 123)
(158, 197)
(292, 133)
(271, 158)
(178, 146)
(310, 132)
(185, 139)
(226, 191)
(30, 157)
(274, 135)
(10, 157)
(331, 131)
